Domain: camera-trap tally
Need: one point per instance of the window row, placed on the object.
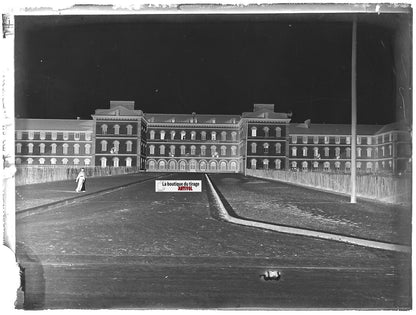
(52, 148)
(265, 148)
(266, 133)
(183, 135)
(193, 150)
(368, 152)
(264, 164)
(52, 161)
(326, 166)
(53, 135)
(338, 139)
(128, 130)
(202, 166)
(115, 146)
(115, 162)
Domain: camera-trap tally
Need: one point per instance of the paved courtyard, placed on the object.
(134, 248)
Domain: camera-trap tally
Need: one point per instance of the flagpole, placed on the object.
(354, 111)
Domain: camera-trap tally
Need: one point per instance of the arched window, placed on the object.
(348, 152)
(305, 139)
(172, 150)
(223, 136)
(182, 148)
(152, 136)
(129, 146)
(162, 165)
(369, 152)
(327, 167)
(203, 150)
(253, 131)
(266, 164)
(116, 162)
(103, 161)
(326, 151)
(41, 161)
(116, 147)
(278, 147)
(316, 152)
(337, 165)
(348, 166)
(369, 166)
(277, 164)
(233, 136)
(152, 149)
(359, 152)
(294, 151)
(233, 166)
(65, 148)
(183, 135)
(253, 147)
(116, 129)
(76, 161)
(29, 161)
(88, 148)
(129, 129)
(304, 166)
(76, 148)
(337, 152)
(103, 145)
(152, 165)
(203, 135)
(18, 148)
(213, 136)
(193, 135)
(266, 132)
(253, 164)
(212, 166)
(305, 151)
(223, 150)
(30, 148)
(87, 162)
(182, 165)
(192, 165)
(162, 150)
(213, 151)
(383, 151)
(65, 161)
(223, 166)
(315, 165)
(358, 165)
(53, 161)
(203, 166)
(278, 132)
(265, 148)
(162, 135)
(193, 149)
(172, 165)
(104, 128)
(233, 150)
(294, 164)
(390, 149)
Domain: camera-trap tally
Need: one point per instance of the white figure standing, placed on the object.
(81, 181)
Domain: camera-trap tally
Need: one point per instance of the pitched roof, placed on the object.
(53, 124)
(399, 126)
(118, 111)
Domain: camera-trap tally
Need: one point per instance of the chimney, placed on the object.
(308, 123)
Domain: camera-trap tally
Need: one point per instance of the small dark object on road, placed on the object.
(271, 275)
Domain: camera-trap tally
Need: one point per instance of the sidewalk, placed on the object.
(37, 195)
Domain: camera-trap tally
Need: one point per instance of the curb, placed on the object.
(224, 214)
(65, 202)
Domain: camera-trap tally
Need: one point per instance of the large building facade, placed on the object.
(121, 136)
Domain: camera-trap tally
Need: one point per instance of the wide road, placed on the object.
(135, 248)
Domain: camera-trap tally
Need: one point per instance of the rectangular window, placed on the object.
(337, 139)
(54, 135)
(294, 139)
(66, 135)
(19, 135)
(77, 136)
(42, 135)
(31, 135)
(326, 139)
(88, 136)
(305, 139)
(348, 140)
(315, 139)
(368, 140)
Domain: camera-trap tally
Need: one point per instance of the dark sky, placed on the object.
(67, 66)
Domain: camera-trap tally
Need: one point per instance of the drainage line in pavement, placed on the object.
(83, 197)
(227, 213)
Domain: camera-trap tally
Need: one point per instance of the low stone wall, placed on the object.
(26, 175)
(390, 189)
